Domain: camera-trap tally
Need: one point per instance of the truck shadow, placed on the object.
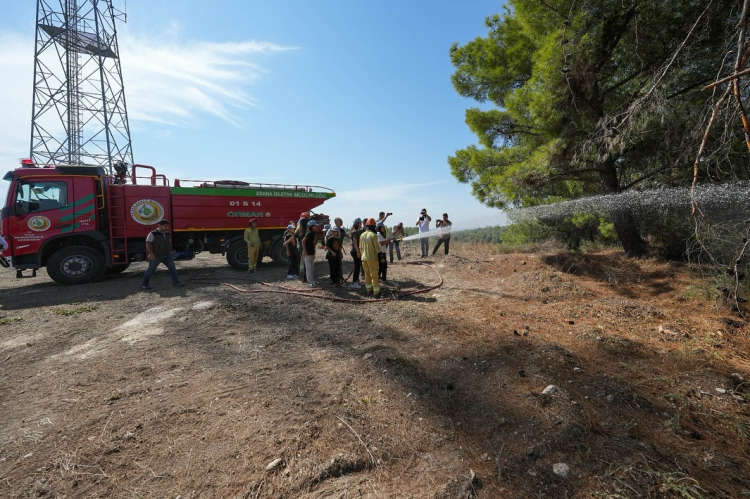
(43, 292)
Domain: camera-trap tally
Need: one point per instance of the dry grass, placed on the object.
(395, 399)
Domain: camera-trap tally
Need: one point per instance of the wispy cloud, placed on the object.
(174, 83)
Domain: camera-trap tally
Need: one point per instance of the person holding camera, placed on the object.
(424, 227)
(444, 237)
(397, 234)
(382, 216)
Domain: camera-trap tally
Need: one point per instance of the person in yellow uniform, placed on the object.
(370, 247)
(252, 238)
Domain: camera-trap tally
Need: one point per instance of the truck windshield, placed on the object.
(40, 195)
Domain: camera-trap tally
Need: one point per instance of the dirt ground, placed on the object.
(274, 390)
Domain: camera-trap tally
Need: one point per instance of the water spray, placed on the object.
(474, 224)
(725, 202)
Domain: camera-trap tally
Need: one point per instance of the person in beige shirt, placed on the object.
(397, 234)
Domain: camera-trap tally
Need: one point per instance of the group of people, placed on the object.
(369, 242)
(444, 236)
(369, 239)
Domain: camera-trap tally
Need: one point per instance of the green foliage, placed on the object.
(483, 235)
(410, 231)
(583, 227)
(592, 98)
(526, 232)
(575, 231)
(8, 320)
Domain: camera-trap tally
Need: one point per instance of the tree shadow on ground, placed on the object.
(617, 271)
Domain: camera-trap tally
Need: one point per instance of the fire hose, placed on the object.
(314, 294)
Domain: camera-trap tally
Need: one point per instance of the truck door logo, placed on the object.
(147, 211)
(39, 223)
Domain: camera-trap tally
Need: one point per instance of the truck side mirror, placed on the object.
(20, 209)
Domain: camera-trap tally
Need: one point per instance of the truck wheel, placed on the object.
(118, 269)
(76, 265)
(237, 255)
(278, 254)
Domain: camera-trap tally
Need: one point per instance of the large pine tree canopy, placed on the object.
(597, 97)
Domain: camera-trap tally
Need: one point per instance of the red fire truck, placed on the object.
(81, 223)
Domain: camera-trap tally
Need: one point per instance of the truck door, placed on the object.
(36, 213)
(83, 206)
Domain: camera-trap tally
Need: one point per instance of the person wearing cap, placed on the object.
(252, 238)
(370, 247)
(334, 255)
(159, 250)
(337, 222)
(356, 231)
(308, 252)
(444, 237)
(423, 222)
(292, 253)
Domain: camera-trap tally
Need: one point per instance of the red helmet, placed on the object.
(305, 214)
(370, 221)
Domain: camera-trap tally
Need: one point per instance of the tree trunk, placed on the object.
(622, 218)
(627, 231)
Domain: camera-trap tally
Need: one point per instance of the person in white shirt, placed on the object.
(424, 226)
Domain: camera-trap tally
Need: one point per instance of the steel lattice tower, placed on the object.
(78, 111)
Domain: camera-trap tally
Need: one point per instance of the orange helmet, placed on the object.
(370, 221)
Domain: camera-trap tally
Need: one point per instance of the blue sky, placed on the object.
(351, 95)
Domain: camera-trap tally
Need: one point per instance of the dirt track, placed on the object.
(194, 392)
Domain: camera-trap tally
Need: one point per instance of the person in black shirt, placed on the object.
(334, 254)
(159, 250)
(356, 231)
(290, 244)
(444, 237)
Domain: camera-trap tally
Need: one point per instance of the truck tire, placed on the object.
(278, 254)
(237, 255)
(118, 269)
(76, 265)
